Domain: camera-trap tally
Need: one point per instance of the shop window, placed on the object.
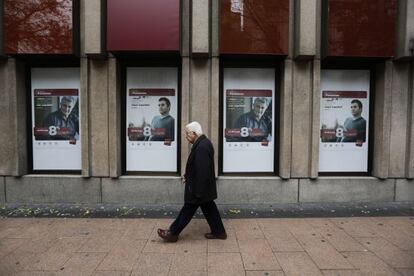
(248, 134)
(151, 119)
(344, 121)
(55, 110)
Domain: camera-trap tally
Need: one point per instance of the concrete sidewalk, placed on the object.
(309, 246)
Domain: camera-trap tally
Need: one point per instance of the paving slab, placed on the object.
(356, 227)
(271, 246)
(255, 246)
(259, 261)
(224, 246)
(406, 271)
(100, 242)
(9, 245)
(81, 264)
(318, 248)
(388, 252)
(297, 263)
(57, 255)
(189, 262)
(338, 238)
(246, 229)
(225, 263)
(15, 262)
(281, 239)
(187, 273)
(111, 273)
(36, 273)
(399, 232)
(123, 255)
(369, 264)
(153, 264)
(349, 272)
(265, 273)
(192, 246)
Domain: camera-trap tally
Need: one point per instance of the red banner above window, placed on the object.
(254, 27)
(142, 25)
(360, 28)
(38, 27)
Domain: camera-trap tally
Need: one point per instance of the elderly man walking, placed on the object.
(200, 188)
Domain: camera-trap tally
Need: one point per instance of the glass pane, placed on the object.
(151, 119)
(248, 116)
(344, 121)
(56, 119)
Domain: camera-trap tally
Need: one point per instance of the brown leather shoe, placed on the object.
(167, 236)
(211, 236)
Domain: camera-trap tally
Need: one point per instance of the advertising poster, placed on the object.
(344, 121)
(151, 119)
(56, 119)
(248, 132)
(248, 116)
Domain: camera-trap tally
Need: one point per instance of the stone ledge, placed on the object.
(142, 190)
(52, 189)
(404, 190)
(257, 190)
(346, 189)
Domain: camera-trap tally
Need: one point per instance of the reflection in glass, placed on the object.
(361, 28)
(254, 26)
(38, 26)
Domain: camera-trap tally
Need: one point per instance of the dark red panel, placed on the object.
(38, 26)
(361, 28)
(254, 27)
(143, 25)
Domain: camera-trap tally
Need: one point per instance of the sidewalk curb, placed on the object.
(297, 210)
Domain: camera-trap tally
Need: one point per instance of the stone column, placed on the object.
(114, 118)
(302, 109)
(285, 121)
(383, 86)
(13, 138)
(399, 119)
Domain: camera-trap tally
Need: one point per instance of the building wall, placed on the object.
(297, 180)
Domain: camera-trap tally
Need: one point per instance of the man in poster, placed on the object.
(65, 122)
(163, 122)
(256, 119)
(355, 126)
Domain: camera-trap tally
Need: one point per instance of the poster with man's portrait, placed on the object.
(56, 118)
(248, 119)
(56, 114)
(152, 115)
(248, 115)
(344, 121)
(151, 119)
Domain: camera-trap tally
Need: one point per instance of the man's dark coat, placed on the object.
(200, 178)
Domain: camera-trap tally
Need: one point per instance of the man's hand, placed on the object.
(183, 179)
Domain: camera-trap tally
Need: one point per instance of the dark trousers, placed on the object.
(210, 212)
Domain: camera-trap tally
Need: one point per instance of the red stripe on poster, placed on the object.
(344, 94)
(151, 92)
(248, 93)
(56, 92)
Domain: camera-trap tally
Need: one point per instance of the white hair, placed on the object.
(195, 127)
(71, 99)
